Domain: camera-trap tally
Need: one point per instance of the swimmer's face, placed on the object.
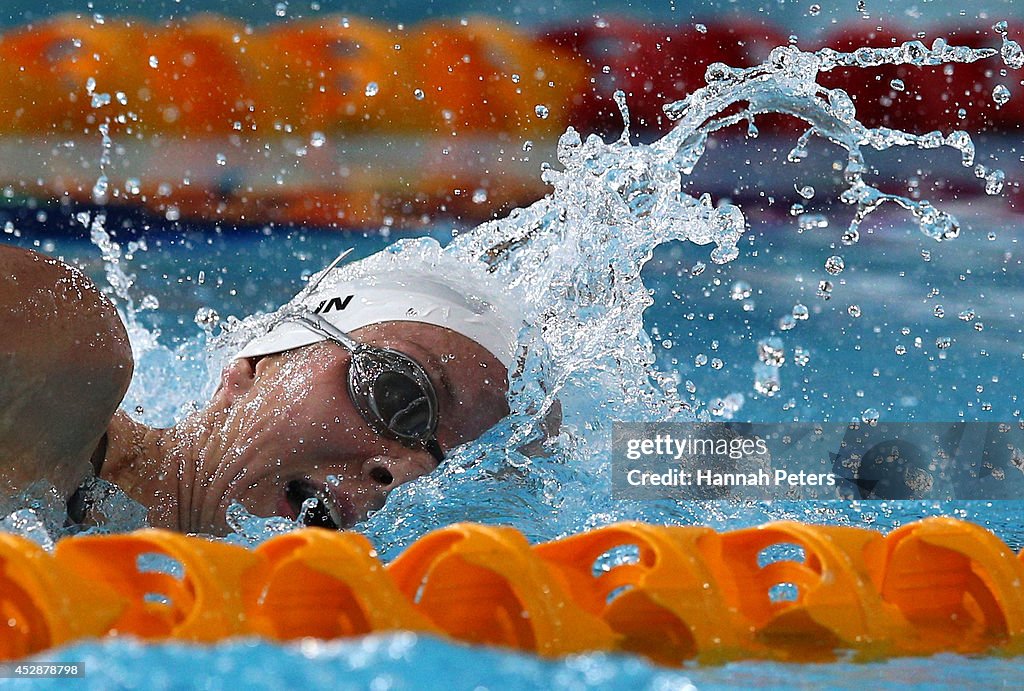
(289, 430)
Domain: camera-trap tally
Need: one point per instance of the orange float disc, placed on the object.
(328, 585)
(483, 584)
(171, 585)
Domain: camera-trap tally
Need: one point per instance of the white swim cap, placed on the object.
(410, 281)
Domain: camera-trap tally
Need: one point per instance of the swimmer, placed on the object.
(367, 380)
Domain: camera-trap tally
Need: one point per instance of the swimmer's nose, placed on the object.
(381, 475)
(387, 472)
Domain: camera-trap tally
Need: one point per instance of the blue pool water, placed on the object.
(405, 663)
(887, 277)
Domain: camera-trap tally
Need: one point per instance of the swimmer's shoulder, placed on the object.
(65, 364)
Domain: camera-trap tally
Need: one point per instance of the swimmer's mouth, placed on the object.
(314, 506)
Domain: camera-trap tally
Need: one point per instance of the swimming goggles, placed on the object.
(390, 390)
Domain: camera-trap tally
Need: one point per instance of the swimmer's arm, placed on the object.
(65, 364)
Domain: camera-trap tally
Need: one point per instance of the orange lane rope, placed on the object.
(209, 75)
(784, 591)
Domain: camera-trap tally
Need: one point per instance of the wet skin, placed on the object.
(283, 428)
(65, 364)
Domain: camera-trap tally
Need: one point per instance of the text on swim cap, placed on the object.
(335, 303)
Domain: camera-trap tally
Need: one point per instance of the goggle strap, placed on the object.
(434, 448)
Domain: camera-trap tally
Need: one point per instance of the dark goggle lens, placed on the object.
(402, 404)
(394, 394)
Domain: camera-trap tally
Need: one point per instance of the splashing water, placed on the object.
(574, 261)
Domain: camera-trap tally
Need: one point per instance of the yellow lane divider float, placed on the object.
(785, 591)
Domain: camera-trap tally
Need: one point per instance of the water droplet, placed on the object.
(700, 360)
(132, 186)
(766, 380)
(814, 10)
(701, 28)
(853, 311)
(716, 363)
(943, 342)
(786, 322)
(206, 317)
(834, 265)
(740, 290)
(800, 312)
(317, 140)
(898, 85)
(724, 254)
(797, 153)
(811, 221)
(825, 290)
(281, 9)
(100, 100)
(966, 315)
(479, 195)
(1012, 54)
(939, 311)
(222, 160)
(371, 89)
(914, 53)
(901, 350)
(527, 145)
(771, 351)
(542, 112)
(870, 417)
(1000, 94)
(994, 182)
(99, 190)
(801, 356)
(418, 94)
(154, 61)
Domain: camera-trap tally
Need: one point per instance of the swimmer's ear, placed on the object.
(237, 378)
(551, 425)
